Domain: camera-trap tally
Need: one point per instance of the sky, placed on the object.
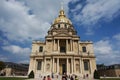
(22, 21)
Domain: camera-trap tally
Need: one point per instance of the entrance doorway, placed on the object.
(63, 67)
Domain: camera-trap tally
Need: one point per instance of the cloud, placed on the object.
(107, 51)
(23, 20)
(79, 6)
(24, 61)
(95, 11)
(17, 50)
(103, 47)
(117, 36)
(3, 58)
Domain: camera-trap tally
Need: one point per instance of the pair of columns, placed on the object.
(58, 47)
(67, 66)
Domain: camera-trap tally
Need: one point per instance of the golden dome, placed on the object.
(62, 18)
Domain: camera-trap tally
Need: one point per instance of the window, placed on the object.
(48, 40)
(84, 49)
(65, 25)
(41, 49)
(62, 49)
(58, 25)
(86, 65)
(39, 65)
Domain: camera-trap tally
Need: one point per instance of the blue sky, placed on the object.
(22, 21)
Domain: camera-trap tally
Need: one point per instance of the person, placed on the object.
(48, 77)
(52, 75)
(86, 75)
(71, 78)
(76, 77)
(64, 76)
(44, 78)
(68, 77)
(57, 77)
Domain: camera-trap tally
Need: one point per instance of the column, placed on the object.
(70, 45)
(66, 45)
(90, 65)
(53, 65)
(58, 46)
(54, 45)
(78, 47)
(67, 65)
(80, 66)
(34, 64)
(72, 64)
(30, 65)
(57, 65)
(44, 64)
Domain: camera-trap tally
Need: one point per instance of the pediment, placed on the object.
(63, 34)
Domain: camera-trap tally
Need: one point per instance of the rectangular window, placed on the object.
(84, 49)
(41, 49)
(86, 65)
(39, 65)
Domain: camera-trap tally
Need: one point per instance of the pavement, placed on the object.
(61, 79)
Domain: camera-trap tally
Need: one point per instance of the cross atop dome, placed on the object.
(62, 6)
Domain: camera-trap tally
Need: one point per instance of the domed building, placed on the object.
(62, 51)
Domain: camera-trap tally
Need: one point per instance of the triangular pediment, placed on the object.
(63, 34)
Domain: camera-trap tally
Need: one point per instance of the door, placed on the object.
(63, 68)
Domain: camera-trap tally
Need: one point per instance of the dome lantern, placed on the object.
(62, 18)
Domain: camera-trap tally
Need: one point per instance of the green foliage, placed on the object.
(2, 65)
(12, 78)
(31, 75)
(110, 79)
(96, 75)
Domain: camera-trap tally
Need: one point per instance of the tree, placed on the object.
(2, 65)
(96, 75)
(31, 75)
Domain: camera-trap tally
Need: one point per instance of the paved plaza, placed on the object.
(60, 78)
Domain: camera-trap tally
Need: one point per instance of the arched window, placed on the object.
(84, 49)
(41, 49)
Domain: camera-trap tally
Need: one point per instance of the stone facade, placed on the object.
(109, 71)
(62, 51)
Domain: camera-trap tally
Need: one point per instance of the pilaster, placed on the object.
(44, 65)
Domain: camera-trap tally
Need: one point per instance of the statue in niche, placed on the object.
(48, 67)
(77, 67)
